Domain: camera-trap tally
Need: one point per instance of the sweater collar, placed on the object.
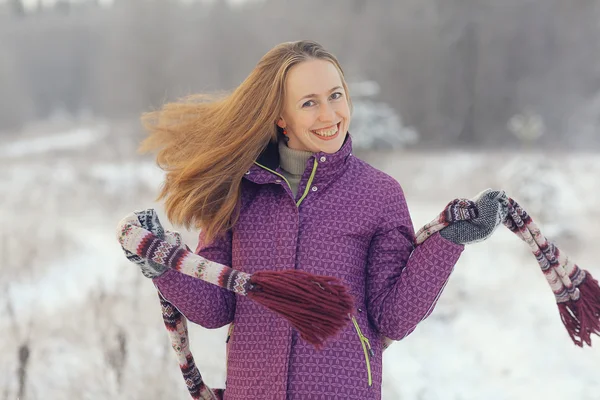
(291, 160)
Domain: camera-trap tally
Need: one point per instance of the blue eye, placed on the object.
(307, 103)
(336, 95)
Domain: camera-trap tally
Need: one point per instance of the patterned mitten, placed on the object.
(492, 208)
(149, 221)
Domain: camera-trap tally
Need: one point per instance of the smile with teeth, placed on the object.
(326, 132)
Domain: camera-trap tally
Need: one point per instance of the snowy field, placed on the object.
(79, 322)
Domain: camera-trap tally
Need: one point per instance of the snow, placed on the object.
(70, 277)
(495, 333)
(72, 140)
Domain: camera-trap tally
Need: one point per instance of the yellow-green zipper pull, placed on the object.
(364, 341)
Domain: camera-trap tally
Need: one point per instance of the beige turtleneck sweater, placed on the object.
(293, 164)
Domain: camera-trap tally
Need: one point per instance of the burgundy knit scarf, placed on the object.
(577, 293)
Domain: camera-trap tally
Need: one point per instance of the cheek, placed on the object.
(295, 121)
(343, 110)
(305, 122)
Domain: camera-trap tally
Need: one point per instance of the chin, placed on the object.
(333, 146)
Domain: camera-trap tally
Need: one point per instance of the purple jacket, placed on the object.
(349, 220)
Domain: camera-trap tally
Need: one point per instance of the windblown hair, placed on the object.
(206, 142)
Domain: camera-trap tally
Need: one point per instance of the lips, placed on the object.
(327, 133)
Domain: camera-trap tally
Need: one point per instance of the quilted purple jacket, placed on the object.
(350, 221)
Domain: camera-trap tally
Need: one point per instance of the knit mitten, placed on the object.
(149, 221)
(492, 208)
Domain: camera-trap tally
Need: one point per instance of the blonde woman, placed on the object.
(268, 176)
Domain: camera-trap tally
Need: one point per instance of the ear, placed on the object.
(281, 123)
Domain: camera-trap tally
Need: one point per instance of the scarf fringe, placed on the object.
(317, 306)
(581, 317)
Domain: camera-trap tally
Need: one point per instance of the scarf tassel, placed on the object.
(581, 317)
(317, 306)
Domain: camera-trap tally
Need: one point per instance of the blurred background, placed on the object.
(451, 97)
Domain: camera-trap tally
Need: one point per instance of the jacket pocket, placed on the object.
(367, 350)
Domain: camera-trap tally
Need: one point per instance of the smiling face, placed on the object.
(316, 114)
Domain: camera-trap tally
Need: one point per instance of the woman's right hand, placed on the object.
(149, 221)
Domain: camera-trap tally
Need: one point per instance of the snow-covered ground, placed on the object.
(92, 326)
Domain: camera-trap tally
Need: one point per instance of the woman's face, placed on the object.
(316, 114)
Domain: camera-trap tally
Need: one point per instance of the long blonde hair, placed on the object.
(206, 143)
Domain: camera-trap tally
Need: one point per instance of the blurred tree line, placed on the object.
(457, 70)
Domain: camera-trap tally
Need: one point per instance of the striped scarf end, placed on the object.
(581, 317)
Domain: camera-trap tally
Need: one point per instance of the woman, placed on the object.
(268, 175)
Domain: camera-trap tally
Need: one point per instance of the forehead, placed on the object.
(311, 77)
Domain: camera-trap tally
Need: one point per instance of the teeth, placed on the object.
(327, 132)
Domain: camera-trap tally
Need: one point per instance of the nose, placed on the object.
(326, 112)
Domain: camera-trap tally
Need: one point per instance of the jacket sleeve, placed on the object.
(404, 282)
(201, 302)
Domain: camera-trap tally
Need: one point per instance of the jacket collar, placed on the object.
(266, 166)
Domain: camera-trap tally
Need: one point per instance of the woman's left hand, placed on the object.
(492, 207)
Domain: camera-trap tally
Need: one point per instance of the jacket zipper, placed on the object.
(229, 333)
(310, 179)
(364, 341)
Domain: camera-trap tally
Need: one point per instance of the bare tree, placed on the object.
(17, 8)
(16, 105)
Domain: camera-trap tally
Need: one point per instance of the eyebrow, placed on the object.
(315, 95)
